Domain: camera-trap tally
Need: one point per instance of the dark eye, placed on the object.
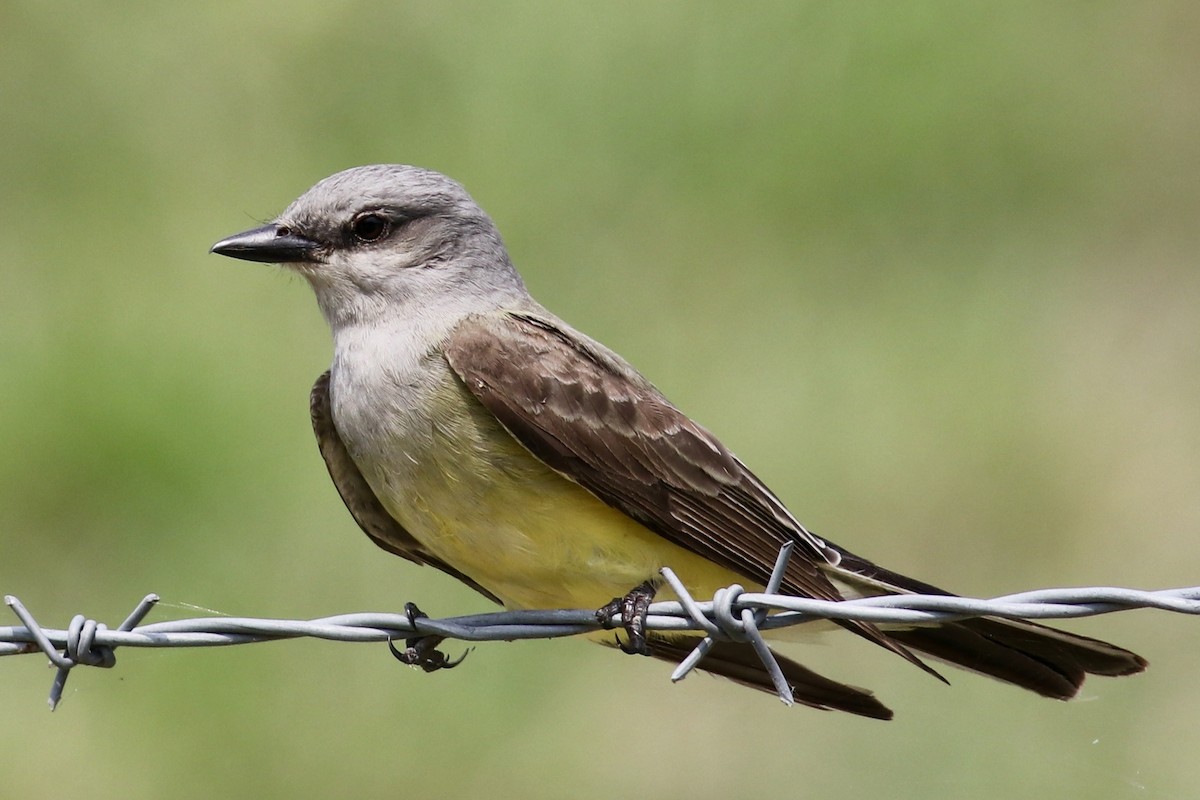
(369, 227)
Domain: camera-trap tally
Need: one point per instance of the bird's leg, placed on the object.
(421, 651)
(633, 608)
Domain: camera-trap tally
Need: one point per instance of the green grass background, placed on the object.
(930, 268)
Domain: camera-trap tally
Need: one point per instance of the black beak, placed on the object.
(270, 244)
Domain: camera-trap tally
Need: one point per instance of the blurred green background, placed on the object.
(930, 268)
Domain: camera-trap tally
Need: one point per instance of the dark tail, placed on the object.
(740, 663)
(1045, 660)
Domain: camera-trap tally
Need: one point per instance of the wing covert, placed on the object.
(591, 417)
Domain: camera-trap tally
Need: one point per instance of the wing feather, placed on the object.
(595, 420)
(590, 416)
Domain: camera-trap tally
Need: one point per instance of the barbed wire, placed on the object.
(733, 614)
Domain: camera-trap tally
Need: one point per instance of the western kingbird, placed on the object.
(468, 428)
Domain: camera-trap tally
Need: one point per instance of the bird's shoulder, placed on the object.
(587, 414)
(570, 398)
(534, 339)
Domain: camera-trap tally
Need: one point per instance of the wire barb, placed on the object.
(732, 615)
(79, 644)
(745, 628)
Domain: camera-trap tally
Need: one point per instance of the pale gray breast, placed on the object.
(383, 387)
(414, 431)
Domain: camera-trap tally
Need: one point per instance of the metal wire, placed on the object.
(732, 614)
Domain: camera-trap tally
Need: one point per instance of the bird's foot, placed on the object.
(633, 609)
(421, 651)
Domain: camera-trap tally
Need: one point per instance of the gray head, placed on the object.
(387, 239)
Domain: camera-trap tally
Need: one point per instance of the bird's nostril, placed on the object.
(283, 230)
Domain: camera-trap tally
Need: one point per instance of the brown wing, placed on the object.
(595, 420)
(360, 500)
(590, 416)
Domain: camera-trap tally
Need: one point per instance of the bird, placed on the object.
(469, 429)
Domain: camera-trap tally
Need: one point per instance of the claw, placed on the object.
(631, 649)
(421, 651)
(633, 608)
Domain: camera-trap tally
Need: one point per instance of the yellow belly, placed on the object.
(552, 544)
(481, 502)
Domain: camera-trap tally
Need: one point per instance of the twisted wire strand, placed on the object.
(732, 614)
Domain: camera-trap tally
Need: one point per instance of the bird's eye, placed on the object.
(369, 227)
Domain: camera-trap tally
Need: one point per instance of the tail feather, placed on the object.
(1036, 658)
(740, 663)
(1045, 660)
(1048, 661)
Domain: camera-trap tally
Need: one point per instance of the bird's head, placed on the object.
(386, 239)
